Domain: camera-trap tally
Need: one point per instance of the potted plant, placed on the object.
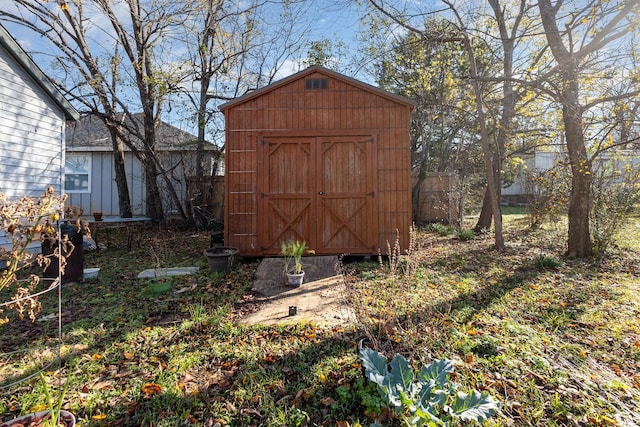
(97, 215)
(52, 416)
(221, 258)
(292, 253)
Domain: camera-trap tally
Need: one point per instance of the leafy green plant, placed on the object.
(197, 311)
(292, 252)
(441, 229)
(427, 398)
(464, 234)
(368, 396)
(547, 261)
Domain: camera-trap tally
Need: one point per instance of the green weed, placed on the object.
(544, 261)
(465, 234)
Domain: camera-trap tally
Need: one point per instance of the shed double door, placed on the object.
(318, 189)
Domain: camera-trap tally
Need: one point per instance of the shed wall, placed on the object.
(291, 110)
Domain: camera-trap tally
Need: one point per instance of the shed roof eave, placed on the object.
(316, 68)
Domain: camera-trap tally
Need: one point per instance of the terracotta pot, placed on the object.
(97, 215)
(220, 259)
(35, 419)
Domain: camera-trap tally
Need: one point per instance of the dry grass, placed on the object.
(556, 346)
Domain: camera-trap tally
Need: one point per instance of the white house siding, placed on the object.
(31, 133)
(540, 161)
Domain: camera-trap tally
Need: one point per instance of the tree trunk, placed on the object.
(508, 109)
(415, 197)
(153, 197)
(486, 147)
(579, 242)
(202, 122)
(155, 209)
(124, 200)
(486, 214)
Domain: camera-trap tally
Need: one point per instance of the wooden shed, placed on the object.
(319, 157)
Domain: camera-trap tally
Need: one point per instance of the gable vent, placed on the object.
(316, 84)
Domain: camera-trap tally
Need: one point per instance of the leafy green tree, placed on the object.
(325, 52)
(457, 34)
(429, 74)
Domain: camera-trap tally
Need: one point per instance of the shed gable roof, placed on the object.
(325, 71)
(25, 61)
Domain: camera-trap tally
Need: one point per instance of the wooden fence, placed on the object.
(213, 194)
(437, 200)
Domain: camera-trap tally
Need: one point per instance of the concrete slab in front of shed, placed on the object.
(320, 299)
(165, 272)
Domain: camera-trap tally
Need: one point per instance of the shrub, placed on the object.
(614, 193)
(547, 194)
(465, 234)
(441, 229)
(24, 222)
(547, 261)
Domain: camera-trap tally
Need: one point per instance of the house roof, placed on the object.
(90, 134)
(25, 61)
(317, 69)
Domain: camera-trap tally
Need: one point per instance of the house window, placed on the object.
(77, 173)
(315, 84)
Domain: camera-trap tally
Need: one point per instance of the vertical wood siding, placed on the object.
(344, 109)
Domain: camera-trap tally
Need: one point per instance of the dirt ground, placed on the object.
(320, 299)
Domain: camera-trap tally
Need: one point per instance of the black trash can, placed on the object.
(74, 269)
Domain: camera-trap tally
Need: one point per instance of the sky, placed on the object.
(336, 20)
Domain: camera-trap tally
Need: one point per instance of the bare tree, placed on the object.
(135, 32)
(508, 30)
(490, 173)
(589, 29)
(232, 48)
(91, 86)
